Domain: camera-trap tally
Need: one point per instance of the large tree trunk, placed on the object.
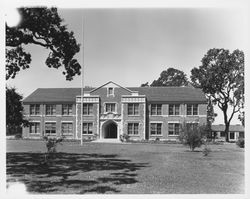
(226, 131)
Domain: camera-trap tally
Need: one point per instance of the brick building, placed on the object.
(112, 110)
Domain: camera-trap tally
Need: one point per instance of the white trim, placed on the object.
(110, 83)
(156, 122)
(113, 92)
(34, 121)
(144, 120)
(49, 121)
(67, 121)
(175, 122)
(195, 122)
(76, 136)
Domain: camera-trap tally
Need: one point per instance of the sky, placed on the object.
(133, 46)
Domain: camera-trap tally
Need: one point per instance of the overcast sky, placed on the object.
(133, 46)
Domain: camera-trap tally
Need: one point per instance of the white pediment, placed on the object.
(111, 84)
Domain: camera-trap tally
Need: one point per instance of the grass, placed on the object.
(126, 168)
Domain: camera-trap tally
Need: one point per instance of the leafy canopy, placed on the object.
(42, 27)
(14, 111)
(171, 77)
(221, 77)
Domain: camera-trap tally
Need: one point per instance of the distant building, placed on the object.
(235, 131)
(112, 110)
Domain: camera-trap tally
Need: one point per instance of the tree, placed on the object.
(171, 77)
(42, 27)
(14, 112)
(221, 77)
(145, 85)
(241, 117)
(210, 117)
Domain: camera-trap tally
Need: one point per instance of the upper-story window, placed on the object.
(174, 109)
(50, 109)
(34, 109)
(156, 109)
(133, 109)
(110, 107)
(192, 109)
(110, 91)
(87, 109)
(67, 109)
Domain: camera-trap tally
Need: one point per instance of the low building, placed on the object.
(111, 110)
(235, 132)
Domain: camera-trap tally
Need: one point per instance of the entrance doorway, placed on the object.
(110, 130)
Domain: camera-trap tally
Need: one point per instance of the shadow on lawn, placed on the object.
(63, 173)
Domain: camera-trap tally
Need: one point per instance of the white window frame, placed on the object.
(66, 122)
(192, 110)
(105, 107)
(51, 113)
(174, 133)
(87, 128)
(35, 122)
(174, 109)
(133, 128)
(88, 109)
(156, 106)
(68, 109)
(54, 122)
(155, 122)
(133, 112)
(113, 91)
(36, 105)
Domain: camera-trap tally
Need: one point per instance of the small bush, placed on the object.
(206, 151)
(51, 144)
(241, 142)
(124, 137)
(18, 136)
(193, 137)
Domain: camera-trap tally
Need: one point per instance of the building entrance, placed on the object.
(110, 130)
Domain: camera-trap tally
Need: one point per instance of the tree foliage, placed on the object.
(14, 112)
(42, 27)
(171, 77)
(221, 77)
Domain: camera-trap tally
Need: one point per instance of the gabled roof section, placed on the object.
(111, 84)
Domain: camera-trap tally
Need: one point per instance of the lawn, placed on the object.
(126, 168)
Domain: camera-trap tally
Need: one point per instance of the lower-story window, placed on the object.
(87, 128)
(34, 127)
(50, 128)
(133, 128)
(67, 128)
(173, 128)
(155, 128)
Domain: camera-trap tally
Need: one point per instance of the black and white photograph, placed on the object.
(124, 99)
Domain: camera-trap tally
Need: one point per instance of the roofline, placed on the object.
(113, 83)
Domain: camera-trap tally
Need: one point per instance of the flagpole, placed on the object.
(82, 68)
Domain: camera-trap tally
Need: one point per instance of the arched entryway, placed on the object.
(110, 130)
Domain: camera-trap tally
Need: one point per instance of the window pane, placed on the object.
(136, 128)
(158, 129)
(171, 109)
(189, 109)
(195, 109)
(177, 109)
(130, 109)
(136, 109)
(159, 109)
(130, 128)
(153, 129)
(177, 129)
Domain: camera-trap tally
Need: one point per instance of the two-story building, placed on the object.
(111, 110)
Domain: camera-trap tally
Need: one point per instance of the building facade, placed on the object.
(109, 111)
(235, 132)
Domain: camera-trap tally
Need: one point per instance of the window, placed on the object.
(174, 109)
(110, 91)
(67, 128)
(173, 128)
(133, 128)
(34, 109)
(50, 109)
(222, 133)
(231, 136)
(192, 109)
(34, 127)
(88, 128)
(87, 109)
(110, 107)
(133, 109)
(155, 128)
(67, 109)
(156, 109)
(50, 128)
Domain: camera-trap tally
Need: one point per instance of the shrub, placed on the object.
(51, 144)
(206, 151)
(193, 137)
(241, 142)
(124, 137)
